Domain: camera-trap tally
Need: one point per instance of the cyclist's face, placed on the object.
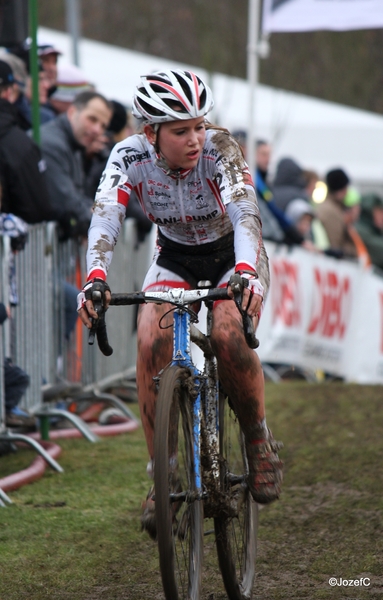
(181, 142)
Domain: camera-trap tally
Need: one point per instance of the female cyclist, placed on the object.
(192, 181)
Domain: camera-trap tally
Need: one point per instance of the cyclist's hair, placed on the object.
(209, 125)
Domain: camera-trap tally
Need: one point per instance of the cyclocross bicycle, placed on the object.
(199, 453)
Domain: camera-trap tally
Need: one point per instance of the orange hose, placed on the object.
(33, 472)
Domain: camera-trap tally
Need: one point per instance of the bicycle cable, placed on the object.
(193, 315)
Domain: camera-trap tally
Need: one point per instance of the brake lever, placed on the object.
(237, 284)
(97, 303)
(99, 325)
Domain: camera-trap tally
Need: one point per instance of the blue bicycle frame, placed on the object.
(206, 387)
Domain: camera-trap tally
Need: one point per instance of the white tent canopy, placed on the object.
(311, 15)
(318, 134)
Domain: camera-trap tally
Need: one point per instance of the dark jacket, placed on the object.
(370, 234)
(275, 225)
(289, 183)
(71, 205)
(24, 113)
(22, 171)
(3, 313)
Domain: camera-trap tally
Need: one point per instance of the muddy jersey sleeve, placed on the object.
(111, 200)
(238, 194)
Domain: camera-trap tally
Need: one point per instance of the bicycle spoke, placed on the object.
(179, 523)
(236, 529)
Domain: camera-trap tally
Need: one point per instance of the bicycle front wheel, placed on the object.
(235, 528)
(179, 515)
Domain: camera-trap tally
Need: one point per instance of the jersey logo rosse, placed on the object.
(132, 155)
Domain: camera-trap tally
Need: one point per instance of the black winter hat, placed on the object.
(119, 117)
(6, 74)
(336, 180)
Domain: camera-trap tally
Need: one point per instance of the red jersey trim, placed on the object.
(243, 266)
(97, 273)
(215, 190)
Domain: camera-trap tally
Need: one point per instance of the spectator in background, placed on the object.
(96, 157)
(48, 55)
(64, 142)
(47, 71)
(302, 215)
(370, 227)
(290, 183)
(17, 97)
(276, 226)
(70, 82)
(95, 161)
(333, 213)
(262, 163)
(311, 179)
(22, 97)
(22, 170)
(46, 112)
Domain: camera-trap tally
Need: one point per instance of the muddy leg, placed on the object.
(239, 367)
(154, 352)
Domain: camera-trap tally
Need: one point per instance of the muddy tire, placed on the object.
(180, 523)
(236, 532)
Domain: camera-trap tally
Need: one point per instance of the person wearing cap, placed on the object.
(22, 91)
(48, 55)
(22, 170)
(301, 214)
(289, 183)
(17, 98)
(70, 82)
(333, 213)
(370, 226)
(304, 217)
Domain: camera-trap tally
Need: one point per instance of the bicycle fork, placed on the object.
(205, 405)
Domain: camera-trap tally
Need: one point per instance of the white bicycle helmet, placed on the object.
(170, 96)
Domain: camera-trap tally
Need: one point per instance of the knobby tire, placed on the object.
(179, 524)
(236, 532)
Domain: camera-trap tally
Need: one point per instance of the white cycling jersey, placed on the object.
(191, 207)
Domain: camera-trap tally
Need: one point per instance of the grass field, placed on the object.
(76, 535)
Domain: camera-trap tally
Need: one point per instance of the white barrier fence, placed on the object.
(323, 314)
(35, 335)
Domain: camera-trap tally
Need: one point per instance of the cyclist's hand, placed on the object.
(85, 307)
(252, 295)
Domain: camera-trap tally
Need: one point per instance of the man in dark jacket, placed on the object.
(22, 170)
(63, 142)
